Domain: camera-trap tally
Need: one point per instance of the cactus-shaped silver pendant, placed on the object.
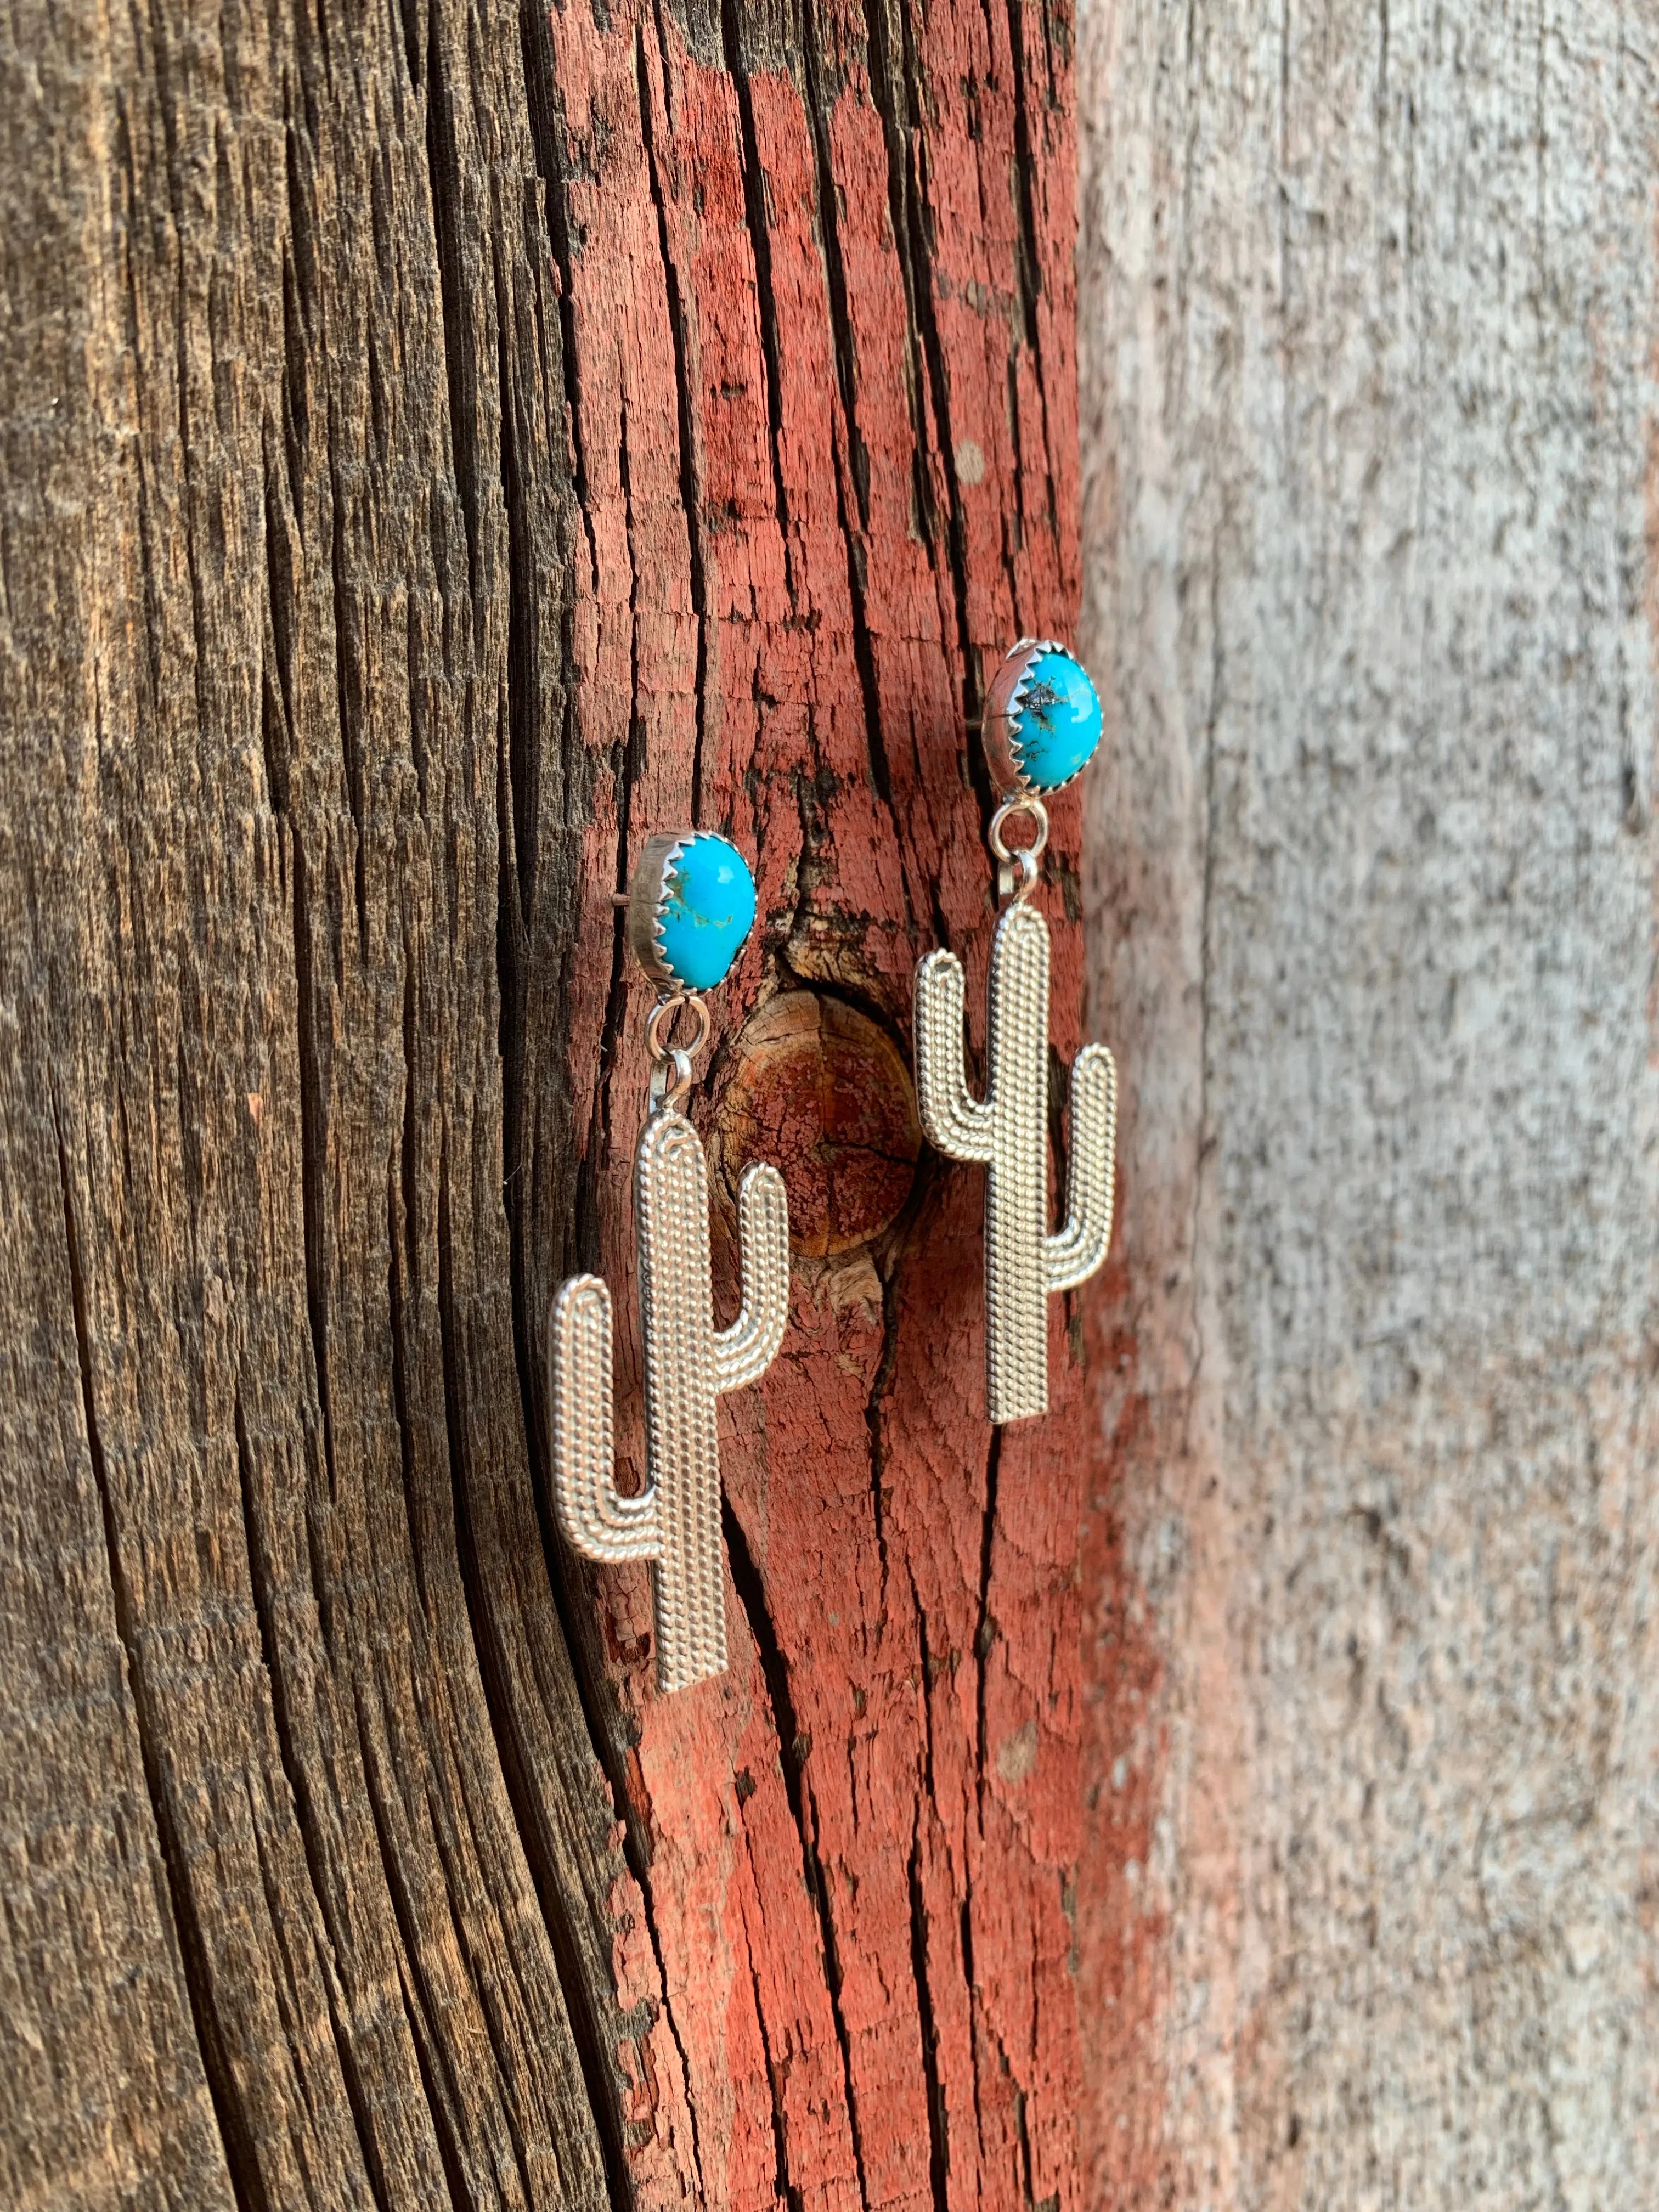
(1042, 726)
(689, 909)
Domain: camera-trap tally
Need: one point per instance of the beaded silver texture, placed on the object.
(1008, 1132)
(675, 1521)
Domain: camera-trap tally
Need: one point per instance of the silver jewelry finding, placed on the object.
(667, 1090)
(675, 1521)
(1017, 868)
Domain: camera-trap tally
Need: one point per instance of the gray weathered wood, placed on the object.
(1368, 328)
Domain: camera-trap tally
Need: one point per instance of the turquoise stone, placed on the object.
(1057, 721)
(708, 908)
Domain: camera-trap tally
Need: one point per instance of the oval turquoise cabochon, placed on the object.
(708, 908)
(1057, 721)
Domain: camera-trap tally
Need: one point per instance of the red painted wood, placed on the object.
(854, 1857)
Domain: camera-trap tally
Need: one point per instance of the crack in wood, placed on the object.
(758, 218)
(690, 488)
(938, 2137)
(857, 464)
(261, 1582)
(241, 2161)
(791, 1752)
(442, 2095)
(788, 2192)
(985, 1627)
(885, 83)
(314, 1146)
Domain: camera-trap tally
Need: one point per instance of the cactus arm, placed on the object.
(744, 1352)
(1073, 1256)
(956, 1123)
(593, 1516)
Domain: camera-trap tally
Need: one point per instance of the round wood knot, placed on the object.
(823, 1092)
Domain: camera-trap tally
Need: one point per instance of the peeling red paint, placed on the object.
(862, 1843)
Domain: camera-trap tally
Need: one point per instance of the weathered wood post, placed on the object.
(439, 447)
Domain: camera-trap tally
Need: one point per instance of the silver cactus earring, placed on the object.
(689, 907)
(1042, 726)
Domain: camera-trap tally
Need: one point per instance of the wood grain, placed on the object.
(1370, 302)
(826, 1094)
(441, 445)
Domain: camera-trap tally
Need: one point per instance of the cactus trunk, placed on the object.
(671, 1184)
(1017, 1187)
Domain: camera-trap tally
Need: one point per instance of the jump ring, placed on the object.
(664, 1011)
(1039, 815)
